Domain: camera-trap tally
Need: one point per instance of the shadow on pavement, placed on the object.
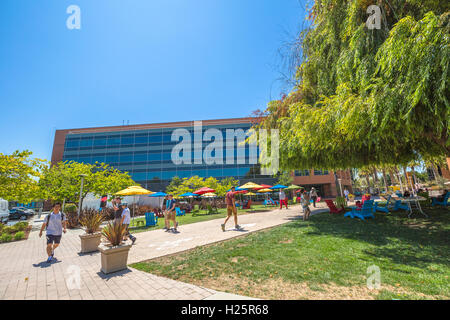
(114, 274)
(45, 264)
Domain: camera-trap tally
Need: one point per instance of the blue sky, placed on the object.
(139, 60)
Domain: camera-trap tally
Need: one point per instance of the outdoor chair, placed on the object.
(441, 203)
(333, 208)
(385, 208)
(247, 205)
(150, 219)
(180, 212)
(399, 205)
(364, 212)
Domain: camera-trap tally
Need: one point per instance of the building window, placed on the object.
(320, 172)
(301, 173)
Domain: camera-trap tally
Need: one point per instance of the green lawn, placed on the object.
(325, 258)
(192, 218)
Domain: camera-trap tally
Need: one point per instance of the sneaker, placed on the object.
(133, 241)
(50, 259)
(223, 227)
(238, 227)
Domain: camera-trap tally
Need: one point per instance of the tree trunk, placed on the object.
(384, 178)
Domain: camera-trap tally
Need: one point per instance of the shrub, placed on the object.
(114, 233)
(20, 226)
(70, 208)
(5, 237)
(91, 220)
(8, 230)
(19, 235)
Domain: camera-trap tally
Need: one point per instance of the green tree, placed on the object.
(63, 180)
(19, 174)
(367, 97)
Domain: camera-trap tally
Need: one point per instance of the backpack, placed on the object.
(47, 220)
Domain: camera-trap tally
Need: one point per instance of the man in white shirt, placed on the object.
(55, 225)
(126, 218)
(346, 193)
(283, 199)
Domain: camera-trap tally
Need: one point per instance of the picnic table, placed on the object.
(413, 202)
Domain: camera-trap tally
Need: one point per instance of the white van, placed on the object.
(4, 211)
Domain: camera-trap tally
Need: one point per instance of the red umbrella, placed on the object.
(204, 190)
(264, 186)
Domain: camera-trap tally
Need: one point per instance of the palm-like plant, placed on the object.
(91, 221)
(114, 233)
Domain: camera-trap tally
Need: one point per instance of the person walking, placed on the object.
(305, 201)
(117, 206)
(283, 199)
(313, 195)
(169, 214)
(55, 225)
(126, 218)
(231, 209)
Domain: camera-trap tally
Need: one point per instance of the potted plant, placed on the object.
(91, 221)
(114, 253)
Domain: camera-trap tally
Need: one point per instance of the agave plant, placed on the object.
(114, 233)
(91, 221)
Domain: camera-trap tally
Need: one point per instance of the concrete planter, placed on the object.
(90, 242)
(114, 258)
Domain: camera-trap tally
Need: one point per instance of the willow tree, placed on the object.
(368, 97)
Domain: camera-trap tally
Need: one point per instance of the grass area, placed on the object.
(193, 218)
(326, 257)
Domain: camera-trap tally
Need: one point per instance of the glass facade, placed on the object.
(147, 155)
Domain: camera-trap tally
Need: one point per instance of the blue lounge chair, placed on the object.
(150, 219)
(399, 205)
(364, 212)
(444, 203)
(385, 209)
(180, 212)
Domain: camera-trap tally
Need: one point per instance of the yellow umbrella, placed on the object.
(209, 195)
(250, 185)
(249, 194)
(265, 190)
(133, 191)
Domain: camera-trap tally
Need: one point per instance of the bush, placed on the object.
(20, 226)
(70, 208)
(8, 230)
(5, 237)
(19, 235)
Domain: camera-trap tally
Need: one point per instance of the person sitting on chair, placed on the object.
(441, 197)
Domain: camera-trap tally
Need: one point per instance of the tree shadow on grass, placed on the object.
(414, 242)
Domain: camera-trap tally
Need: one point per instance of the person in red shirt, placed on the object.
(231, 209)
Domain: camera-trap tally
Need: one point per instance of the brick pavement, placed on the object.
(24, 273)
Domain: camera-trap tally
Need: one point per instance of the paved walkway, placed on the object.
(24, 273)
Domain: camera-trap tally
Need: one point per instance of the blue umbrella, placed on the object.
(237, 189)
(188, 194)
(278, 186)
(158, 194)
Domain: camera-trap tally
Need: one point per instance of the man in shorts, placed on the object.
(305, 200)
(170, 214)
(126, 218)
(117, 206)
(55, 225)
(231, 209)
